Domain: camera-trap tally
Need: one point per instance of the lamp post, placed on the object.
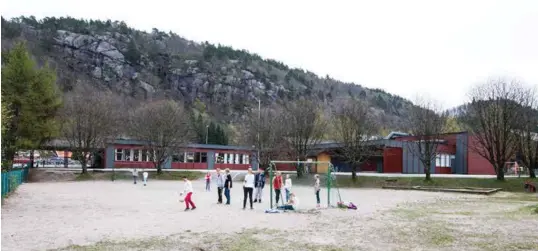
(258, 134)
(206, 133)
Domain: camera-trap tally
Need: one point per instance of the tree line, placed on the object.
(501, 115)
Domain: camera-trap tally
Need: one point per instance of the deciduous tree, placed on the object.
(303, 128)
(354, 126)
(426, 122)
(163, 128)
(491, 118)
(89, 118)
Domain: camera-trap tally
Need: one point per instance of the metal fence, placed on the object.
(12, 179)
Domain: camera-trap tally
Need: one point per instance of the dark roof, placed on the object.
(200, 146)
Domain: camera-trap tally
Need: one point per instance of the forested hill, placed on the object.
(227, 81)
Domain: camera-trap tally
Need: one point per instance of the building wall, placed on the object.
(323, 168)
(392, 160)
(189, 158)
(476, 163)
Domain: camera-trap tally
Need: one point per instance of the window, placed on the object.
(230, 158)
(443, 160)
(178, 157)
(247, 159)
(136, 155)
(197, 158)
(119, 154)
(144, 155)
(236, 158)
(127, 154)
(203, 158)
(190, 157)
(241, 159)
(219, 158)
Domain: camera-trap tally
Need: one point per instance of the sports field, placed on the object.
(105, 215)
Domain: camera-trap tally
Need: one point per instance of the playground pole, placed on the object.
(271, 184)
(329, 186)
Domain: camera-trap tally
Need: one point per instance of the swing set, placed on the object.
(331, 178)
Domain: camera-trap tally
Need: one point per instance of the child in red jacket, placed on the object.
(277, 185)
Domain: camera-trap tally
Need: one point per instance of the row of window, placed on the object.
(182, 157)
(444, 160)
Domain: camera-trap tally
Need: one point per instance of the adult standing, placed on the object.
(220, 185)
(248, 188)
(259, 183)
(277, 185)
(227, 186)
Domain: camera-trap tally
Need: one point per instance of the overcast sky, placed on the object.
(437, 48)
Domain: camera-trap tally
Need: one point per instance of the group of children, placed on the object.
(135, 176)
(254, 183)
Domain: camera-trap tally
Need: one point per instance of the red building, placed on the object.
(395, 154)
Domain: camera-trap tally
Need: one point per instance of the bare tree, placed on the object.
(304, 127)
(354, 126)
(264, 130)
(89, 117)
(426, 122)
(163, 127)
(491, 118)
(527, 133)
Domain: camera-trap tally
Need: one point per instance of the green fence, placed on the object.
(12, 179)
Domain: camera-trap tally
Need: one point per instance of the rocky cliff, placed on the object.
(159, 64)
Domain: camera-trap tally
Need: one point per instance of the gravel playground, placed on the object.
(105, 215)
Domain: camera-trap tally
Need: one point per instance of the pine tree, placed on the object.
(32, 97)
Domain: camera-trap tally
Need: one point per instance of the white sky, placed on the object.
(437, 48)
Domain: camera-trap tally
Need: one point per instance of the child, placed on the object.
(135, 175)
(277, 185)
(145, 176)
(188, 197)
(287, 186)
(316, 188)
(259, 181)
(292, 204)
(208, 182)
(227, 186)
(220, 185)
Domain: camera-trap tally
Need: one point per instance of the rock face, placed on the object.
(143, 64)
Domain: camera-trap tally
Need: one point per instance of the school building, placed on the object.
(395, 154)
(124, 153)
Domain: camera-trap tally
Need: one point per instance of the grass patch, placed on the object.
(126, 175)
(84, 177)
(509, 184)
(248, 240)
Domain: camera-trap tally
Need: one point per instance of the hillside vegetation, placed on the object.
(225, 82)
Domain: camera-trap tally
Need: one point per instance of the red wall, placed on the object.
(443, 170)
(392, 160)
(189, 165)
(285, 167)
(477, 164)
(369, 166)
(133, 164)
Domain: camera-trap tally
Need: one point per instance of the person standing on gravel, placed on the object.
(145, 177)
(277, 185)
(135, 175)
(187, 190)
(287, 187)
(259, 183)
(227, 186)
(220, 185)
(248, 187)
(317, 189)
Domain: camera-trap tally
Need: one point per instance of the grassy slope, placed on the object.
(510, 184)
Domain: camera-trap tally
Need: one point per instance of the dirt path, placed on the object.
(121, 216)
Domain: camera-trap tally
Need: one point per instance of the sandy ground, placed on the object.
(105, 215)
